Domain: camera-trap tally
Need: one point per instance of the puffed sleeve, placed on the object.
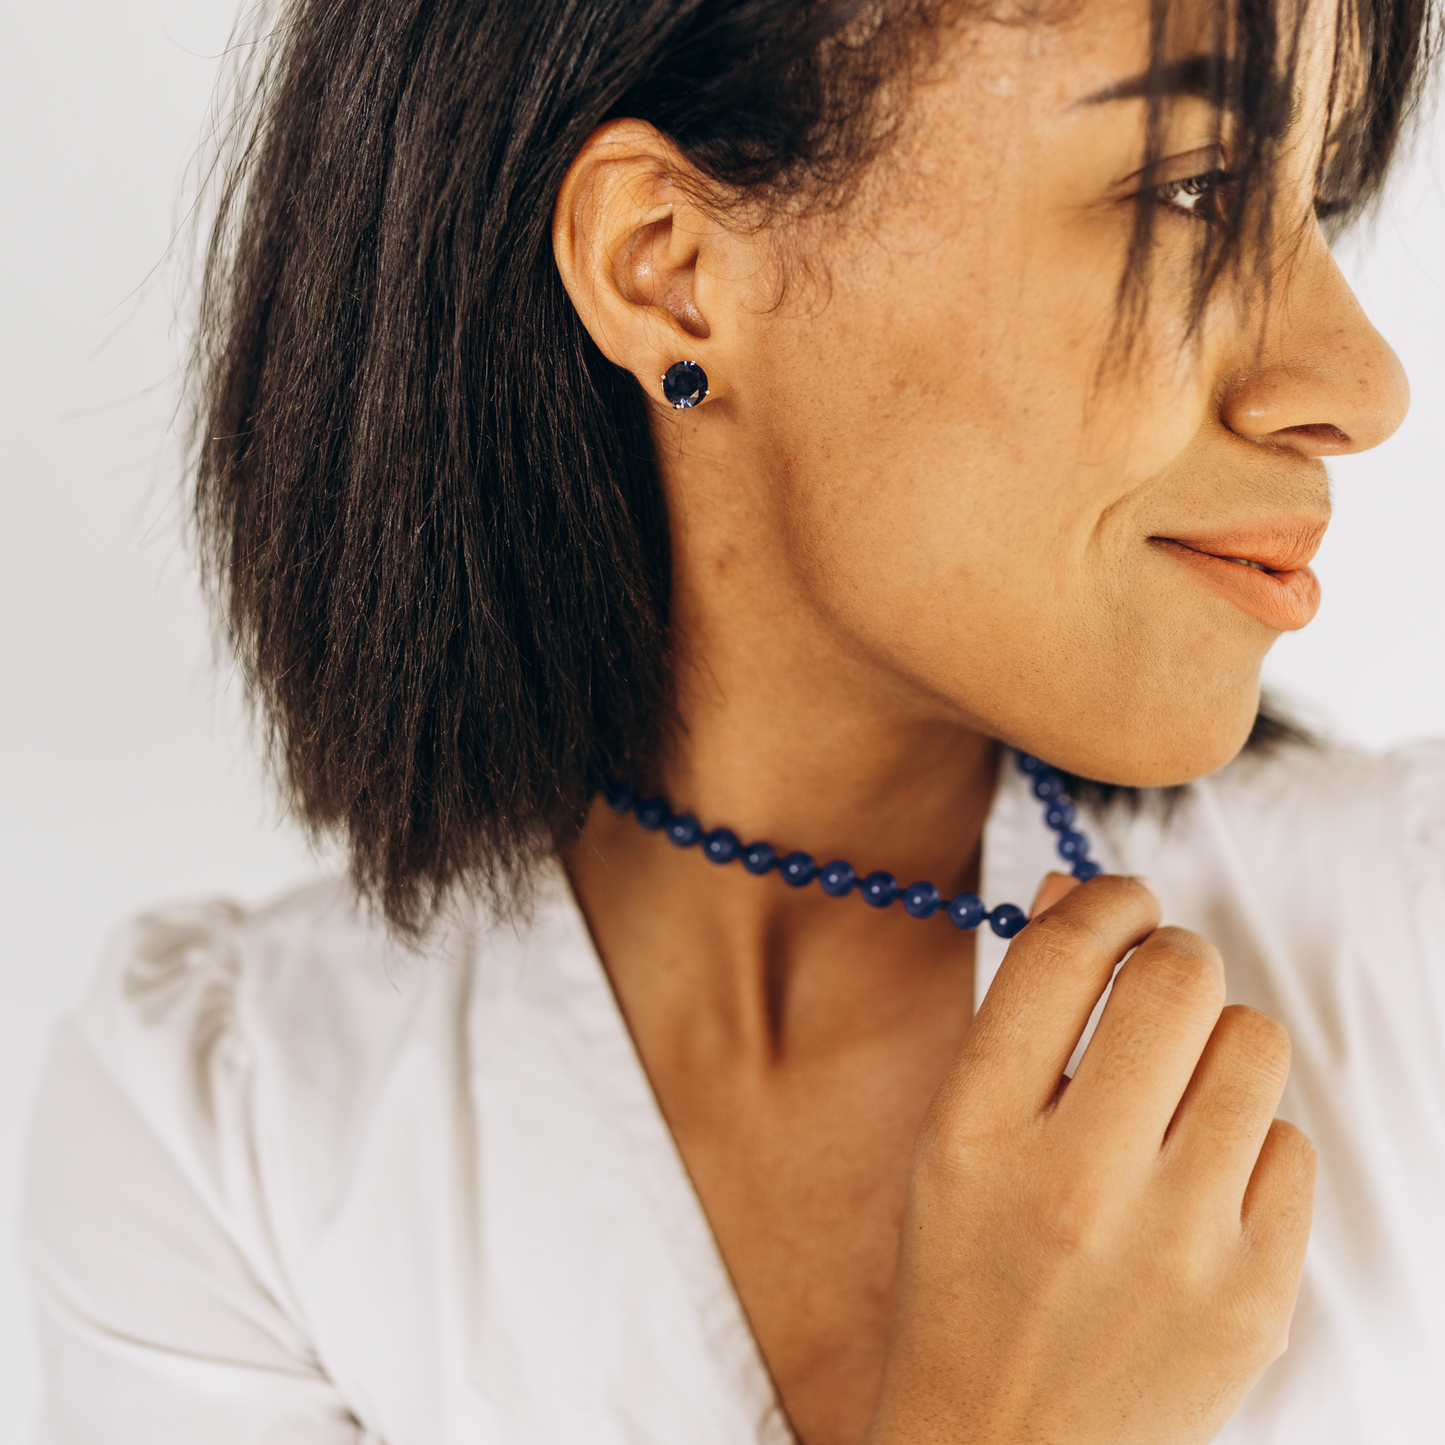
(164, 1316)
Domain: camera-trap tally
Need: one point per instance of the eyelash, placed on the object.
(1196, 189)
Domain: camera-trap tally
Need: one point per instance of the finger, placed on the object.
(1046, 988)
(1163, 1007)
(1280, 1198)
(1054, 887)
(1278, 1207)
(1222, 1120)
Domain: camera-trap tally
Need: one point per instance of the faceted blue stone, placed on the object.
(922, 900)
(684, 384)
(618, 794)
(721, 845)
(798, 869)
(684, 830)
(1085, 869)
(966, 911)
(653, 814)
(1060, 814)
(879, 889)
(837, 878)
(1007, 919)
(759, 857)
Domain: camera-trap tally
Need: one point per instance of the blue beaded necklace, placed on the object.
(838, 879)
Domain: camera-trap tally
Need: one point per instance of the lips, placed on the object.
(1262, 568)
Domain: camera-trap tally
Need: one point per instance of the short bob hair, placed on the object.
(427, 506)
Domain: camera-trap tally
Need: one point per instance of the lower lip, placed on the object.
(1285, 601)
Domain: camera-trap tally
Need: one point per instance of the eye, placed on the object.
(1195, 195)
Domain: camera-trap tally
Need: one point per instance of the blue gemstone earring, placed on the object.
(684, 384)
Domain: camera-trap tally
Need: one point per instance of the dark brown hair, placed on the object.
(427, 505)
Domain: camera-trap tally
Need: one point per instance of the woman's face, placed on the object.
(920, 458)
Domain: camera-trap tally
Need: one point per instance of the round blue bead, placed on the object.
(1028, 763)
(837, 878)
(759, 857)
(1060, 814)
(684, 830)
(798, 869)
(1007, 919)
(1073, 846)
(1047, 785)
(966, 911)
(922, 900)
(653, 814)
(721, 845)
(879, 889)
(1085, 869)
(618, 794)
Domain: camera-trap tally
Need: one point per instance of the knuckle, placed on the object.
(1057, 940)
(1181, 962)
(1259, 1041)
(952, 1143)
(1071, 1224)
(1295, 1147)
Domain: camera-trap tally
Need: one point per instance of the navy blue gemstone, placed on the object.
(1028, 763)
(879, 889)
(721, 845)
(1007, 919)
(1085, 869)
(618, 794)
(1060, 814)
(684, 384)
(1073, 846)
(922, 900)
(966, 911)
(798, 869)
(759, 858)
(653, 813)
(684, 830)
(837, 878)
(1048, 785)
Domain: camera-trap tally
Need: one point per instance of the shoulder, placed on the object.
(1339, 811)
(192, 990)
(256, 1045)
(1328, 861)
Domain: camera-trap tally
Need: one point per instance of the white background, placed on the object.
(126, 771)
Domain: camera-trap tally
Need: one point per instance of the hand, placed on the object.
(1115, 1261)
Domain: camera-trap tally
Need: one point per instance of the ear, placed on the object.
(628, 241)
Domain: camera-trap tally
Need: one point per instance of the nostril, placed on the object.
(1323, 432)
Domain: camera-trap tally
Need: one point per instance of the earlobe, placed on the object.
(628, 265)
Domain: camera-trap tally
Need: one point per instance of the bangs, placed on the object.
(1249, 67)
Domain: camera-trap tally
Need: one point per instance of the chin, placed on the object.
(1156, 746)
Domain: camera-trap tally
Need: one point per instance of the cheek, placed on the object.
(964, 500)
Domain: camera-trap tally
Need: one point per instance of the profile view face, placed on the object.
(974, 437)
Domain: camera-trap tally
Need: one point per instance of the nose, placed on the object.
(1325, 383)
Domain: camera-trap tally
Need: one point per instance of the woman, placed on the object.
(760, 418)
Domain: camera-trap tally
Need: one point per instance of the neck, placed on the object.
(792, 731)
(748, 964)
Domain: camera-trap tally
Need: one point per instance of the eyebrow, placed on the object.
(1209, 77)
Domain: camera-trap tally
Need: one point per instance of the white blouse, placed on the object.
(292, 1185)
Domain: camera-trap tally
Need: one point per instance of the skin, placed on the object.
(914, 519)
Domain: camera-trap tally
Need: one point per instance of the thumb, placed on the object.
(1054, 887)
